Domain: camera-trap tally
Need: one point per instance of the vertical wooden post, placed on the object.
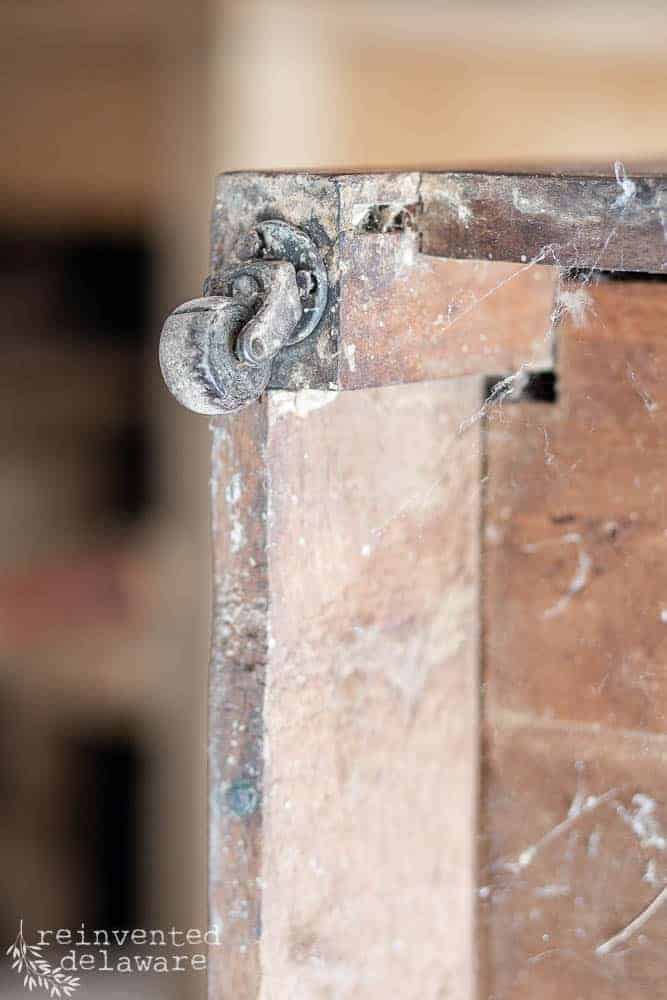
(345, 658)
(236, 698)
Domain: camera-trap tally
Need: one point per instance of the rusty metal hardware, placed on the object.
(216, 352)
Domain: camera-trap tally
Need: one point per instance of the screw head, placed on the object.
(242, 797)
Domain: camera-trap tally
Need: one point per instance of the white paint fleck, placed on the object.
(237, 536)
(350, 351)
(594, 841)
(527, 206)
(234, 489)
(365, 551)
(453, 198)
(493, 534)
(643, 822)
(651, 875)
(316, 867)
(301, 403)
(552, 891)
(627, 186)
(645, 396)
(549, 457)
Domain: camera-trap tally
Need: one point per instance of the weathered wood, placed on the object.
(573, 821)
(372, 695)
(395, 311)
(577, 492)
(236, 699)
(405, 317)
(612, 223)
(365, 607)
(574, 807)
(344, 721)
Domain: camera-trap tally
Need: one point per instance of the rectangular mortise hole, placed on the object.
(536, 387)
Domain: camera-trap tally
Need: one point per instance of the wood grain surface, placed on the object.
(397, 312)
(612, 223)
(376, 549)
(239, 645)
(574, 809)
(405, 317)
(372, 693)
(337, 568)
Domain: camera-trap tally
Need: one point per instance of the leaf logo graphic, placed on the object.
(37, 972)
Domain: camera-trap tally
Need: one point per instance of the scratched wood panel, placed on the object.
(236, 699)
(576, 522)
(405, 317)
(574, 823)
(372, 691)
(575, 555)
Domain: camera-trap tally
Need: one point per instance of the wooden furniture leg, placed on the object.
(344, 693)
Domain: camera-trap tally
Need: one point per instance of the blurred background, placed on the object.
(116, 117)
